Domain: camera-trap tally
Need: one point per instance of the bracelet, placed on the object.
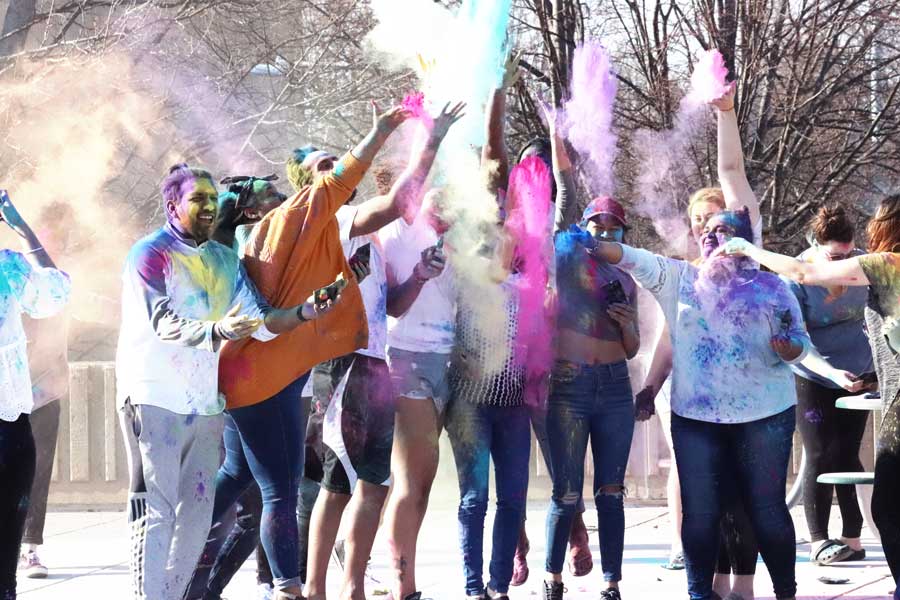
(300, 316)
(730, 108)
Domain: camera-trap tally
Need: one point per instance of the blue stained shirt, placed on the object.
(724, 369)
(173, 293)
(38, 292)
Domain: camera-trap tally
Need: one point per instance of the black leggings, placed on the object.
(16, 474)
(886, 495)
(831, 439)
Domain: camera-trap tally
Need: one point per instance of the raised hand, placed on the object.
(10, 214)
(725, 102)
(511, 71)
(446, 119)
(385, 123)
(550, 116)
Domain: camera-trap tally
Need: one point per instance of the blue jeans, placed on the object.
(479, 433)
(755, 454)
(589, 402)
(267, 446)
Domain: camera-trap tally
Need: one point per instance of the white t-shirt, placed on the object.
(373, 287)
(430, 323)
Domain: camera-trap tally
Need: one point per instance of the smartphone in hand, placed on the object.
(362, 255)
(330, 292)
(615, 293)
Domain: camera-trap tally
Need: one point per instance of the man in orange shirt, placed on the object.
(295, 248)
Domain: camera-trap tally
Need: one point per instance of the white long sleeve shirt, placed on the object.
(38, 292)
(173, 293)
(724, 369)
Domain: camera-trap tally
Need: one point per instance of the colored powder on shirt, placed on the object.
(529, 194)
(588, 114)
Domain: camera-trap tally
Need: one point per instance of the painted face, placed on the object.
(195, 211)
(834, 250)
(718, 229)
(700, 214)
(267, 198)
(606, 228)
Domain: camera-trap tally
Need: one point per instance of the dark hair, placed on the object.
(831, 224)
(178, 174)
(540, 143)
(884, 228)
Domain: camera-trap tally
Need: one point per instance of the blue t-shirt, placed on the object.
(836, 325)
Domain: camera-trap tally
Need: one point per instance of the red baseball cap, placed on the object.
(604, 205)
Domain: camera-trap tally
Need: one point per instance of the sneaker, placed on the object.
(553, 590)
(610, 594)
(264, 591)
(31, 567)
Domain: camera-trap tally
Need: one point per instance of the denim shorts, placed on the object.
(420, 375)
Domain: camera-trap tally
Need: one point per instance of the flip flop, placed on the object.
(831, 551)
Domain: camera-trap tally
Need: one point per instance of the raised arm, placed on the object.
(837, 272)
(32, 246)
(566, 208)
(494, 154)
(732, 174)
(404, 196)
(383, 125)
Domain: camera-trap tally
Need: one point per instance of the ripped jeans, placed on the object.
(589, 402)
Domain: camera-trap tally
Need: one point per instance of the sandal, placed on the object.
(831, 551)
(676, 562)
(857, 555)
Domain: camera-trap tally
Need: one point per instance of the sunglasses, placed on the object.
(242, 187)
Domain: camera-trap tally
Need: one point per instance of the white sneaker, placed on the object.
(264, 591)
(31, 567)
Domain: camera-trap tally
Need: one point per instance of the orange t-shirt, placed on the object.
(293, 251)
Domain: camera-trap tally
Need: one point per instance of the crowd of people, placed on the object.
(287, 364)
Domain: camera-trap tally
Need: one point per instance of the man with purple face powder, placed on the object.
(182, 297)
(735, 331)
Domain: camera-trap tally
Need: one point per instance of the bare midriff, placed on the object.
(586, 350)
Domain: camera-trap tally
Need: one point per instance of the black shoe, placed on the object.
(610, 594)
(414, 596)
(553, 590)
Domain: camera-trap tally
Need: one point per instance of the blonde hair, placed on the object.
(297, 174)
(707, 194)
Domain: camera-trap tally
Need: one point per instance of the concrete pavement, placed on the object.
(87, 554)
